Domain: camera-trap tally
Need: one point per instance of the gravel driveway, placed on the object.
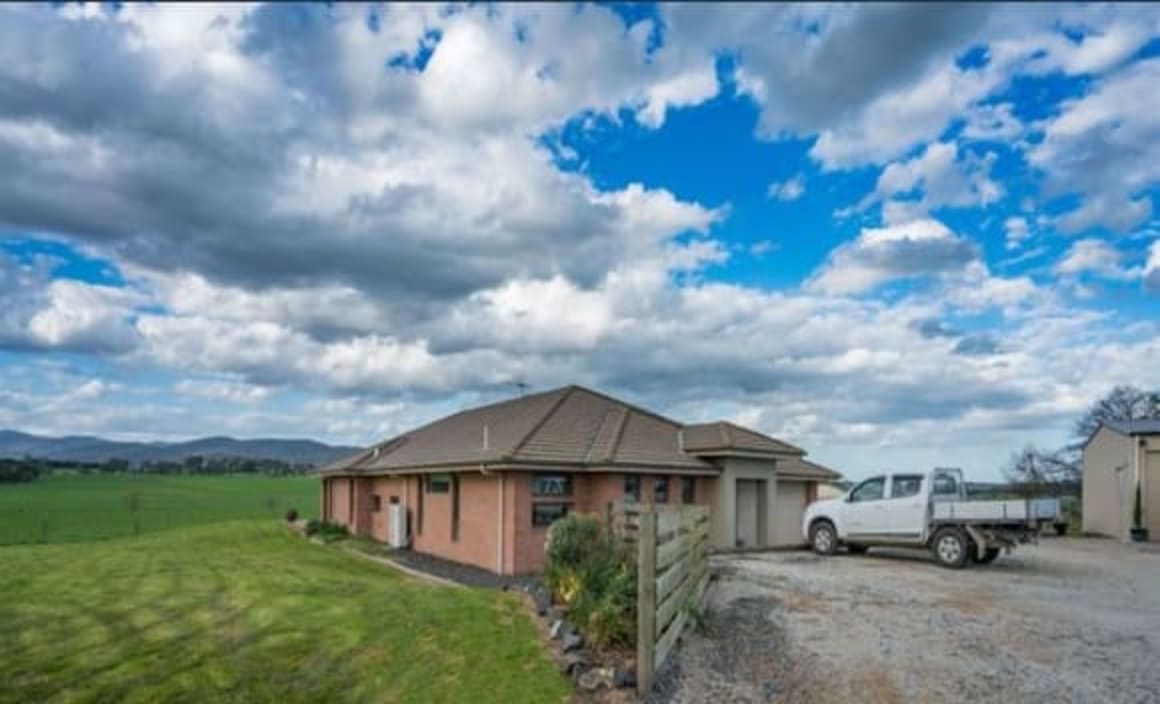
(1067, 621)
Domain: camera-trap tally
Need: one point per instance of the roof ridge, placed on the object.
(631, 406)
(624, 413)
(567, 391)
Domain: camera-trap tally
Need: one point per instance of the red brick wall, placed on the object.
(477, 543)
(340, 500)
(479, 511)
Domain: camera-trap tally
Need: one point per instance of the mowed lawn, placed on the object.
(244, 611)
(67, 508)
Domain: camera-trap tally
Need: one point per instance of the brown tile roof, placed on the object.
(567, 426)
(722, 436)
(801, 468)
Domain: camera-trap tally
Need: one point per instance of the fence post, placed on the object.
(646, 599)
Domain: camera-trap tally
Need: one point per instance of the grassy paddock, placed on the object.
(70, 508)
(245, 612)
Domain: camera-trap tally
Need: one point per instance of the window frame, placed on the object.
(866, 482)
(947, 477)
(688, 490)
(441, 480)
(565, 508)
(907, 477)
(549, 477)
(660, 492)
(376, 503)
(632, 496)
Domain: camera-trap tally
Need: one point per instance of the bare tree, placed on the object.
(1123, 403)
(1034, 471)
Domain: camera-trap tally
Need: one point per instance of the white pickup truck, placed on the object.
(920, 510)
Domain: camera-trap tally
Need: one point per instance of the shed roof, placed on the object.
(1149, 426)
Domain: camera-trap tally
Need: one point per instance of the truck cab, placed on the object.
(913, 509)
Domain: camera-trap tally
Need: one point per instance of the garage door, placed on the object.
(788, 509)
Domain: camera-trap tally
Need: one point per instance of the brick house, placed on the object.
(482, 486)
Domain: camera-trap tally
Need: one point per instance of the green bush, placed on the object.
(589, 570)
(326, 530)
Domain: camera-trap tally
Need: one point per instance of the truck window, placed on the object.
(945, 485)
(903, 485)
(869, 490)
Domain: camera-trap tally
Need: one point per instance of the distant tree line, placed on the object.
(30, 468)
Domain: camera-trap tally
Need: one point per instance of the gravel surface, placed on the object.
(463, 574)
(1067, 621)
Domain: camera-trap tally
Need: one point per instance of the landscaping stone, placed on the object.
(573, 662)
(572, 641)
(623, 679)
(557, 630)
(542, 600)
(596, 678)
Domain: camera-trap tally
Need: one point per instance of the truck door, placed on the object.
(906, 507)
(865, 509)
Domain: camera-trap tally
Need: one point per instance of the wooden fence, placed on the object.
(672, 576)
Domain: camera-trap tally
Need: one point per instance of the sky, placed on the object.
(898, 236)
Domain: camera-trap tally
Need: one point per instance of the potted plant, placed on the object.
(1139, 532)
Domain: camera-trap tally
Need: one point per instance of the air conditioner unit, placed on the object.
(397, 523)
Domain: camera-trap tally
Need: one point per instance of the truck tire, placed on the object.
(989, 555)
(1061, 529)
(951, 548)
(857, 549)
(823, 538)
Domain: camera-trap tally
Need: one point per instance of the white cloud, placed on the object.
(880, 255)
(940, 176)
(1152, 268)
(221, 390)
(1105, 146)
(1016, 230)
(788, 190)
(1096, 257)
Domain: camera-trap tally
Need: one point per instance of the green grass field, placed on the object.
(69, 508)
(244, 611)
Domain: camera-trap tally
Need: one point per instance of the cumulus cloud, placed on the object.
(1097, 257)
(1105, 147)
(790, 189)
(1152, 268)
(880, 255)
(941, 176)
(1016, 230)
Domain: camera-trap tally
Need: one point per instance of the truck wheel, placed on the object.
(823, 538)
(989, 555)
(951, 548)
(1061, 529)
(857, 549)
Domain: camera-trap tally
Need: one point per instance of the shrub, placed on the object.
(292, 515)
(589, 570)
(326, 530)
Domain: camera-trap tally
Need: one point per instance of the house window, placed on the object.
(661, 490)
(632, 487)
(376, 503)
(545, 513)
(439, 484)
(455, 507)
(552, 485)
(688, 490)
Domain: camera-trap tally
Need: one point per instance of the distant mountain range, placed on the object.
(81, 448)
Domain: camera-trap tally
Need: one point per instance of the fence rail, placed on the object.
(672, 575)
